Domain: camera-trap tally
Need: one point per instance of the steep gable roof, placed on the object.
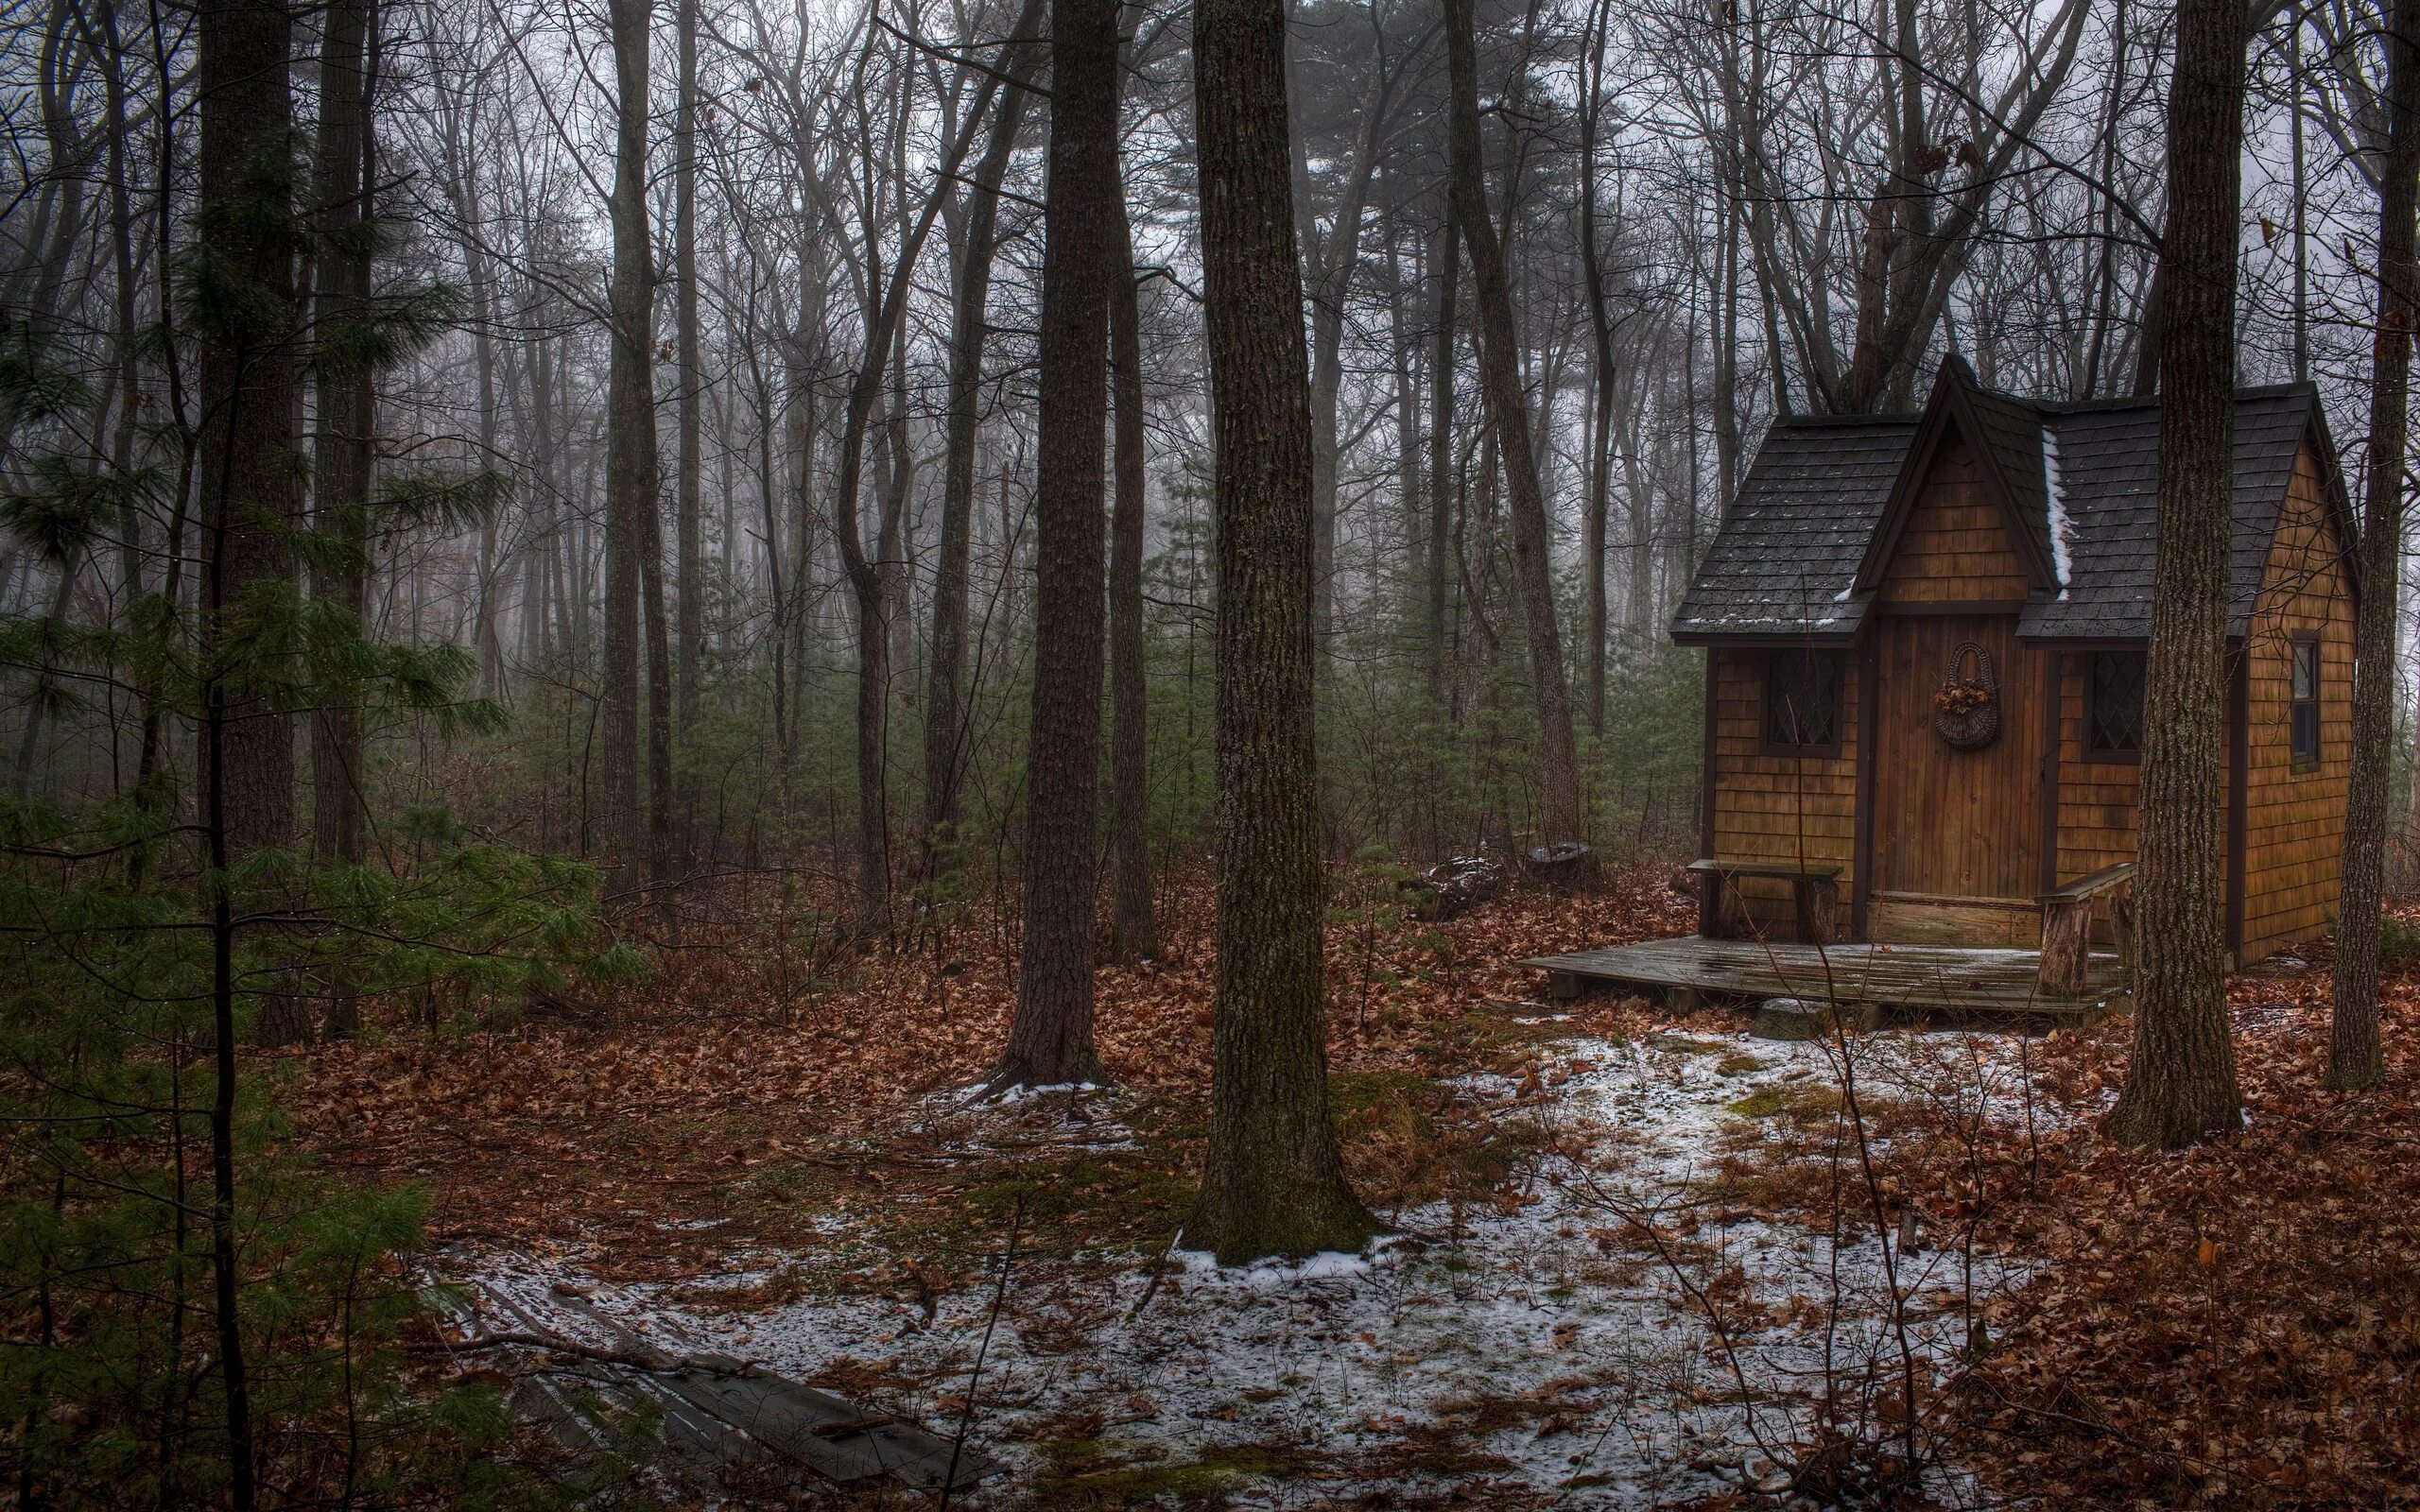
(1785, 561)
(1798, 554)
(2005, 436)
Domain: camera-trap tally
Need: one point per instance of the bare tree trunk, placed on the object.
(869, 578)
(2353, 1058)
(631, 452)
(248, 391)
(689, 502)
(2179, 1084)
(1600, 329)
(944, 704)
(660, 789)
(248, 507)
(1272, 1181)
(1440, 448)
(346, 404)
(1050, 1040)
(1134, 933)
(1563, 817)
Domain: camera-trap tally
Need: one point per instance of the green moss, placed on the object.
(1738, 1065)
(1089, 1473)
(1799, 1104)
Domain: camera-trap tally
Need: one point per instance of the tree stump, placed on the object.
(1816, 903)
(2066, 947)
(1722, 911)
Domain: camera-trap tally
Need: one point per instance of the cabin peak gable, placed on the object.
(2004, 437)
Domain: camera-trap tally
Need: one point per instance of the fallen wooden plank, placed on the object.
(712, 1411)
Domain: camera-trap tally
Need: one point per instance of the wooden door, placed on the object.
(1957, 834)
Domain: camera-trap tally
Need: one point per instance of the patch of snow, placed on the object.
(1551, 1339)
(2062, 561)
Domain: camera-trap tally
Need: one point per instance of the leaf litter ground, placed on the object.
(1637, 1260)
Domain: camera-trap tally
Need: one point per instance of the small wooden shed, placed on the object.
(1885, 588)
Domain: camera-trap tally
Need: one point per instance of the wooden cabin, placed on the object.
(1880, 580)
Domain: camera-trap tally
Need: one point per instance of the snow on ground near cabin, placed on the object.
(1544, 1347)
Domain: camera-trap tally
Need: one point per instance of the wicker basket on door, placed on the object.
(1966, 706)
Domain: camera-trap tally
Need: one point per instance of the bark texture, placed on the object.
(250, 479)
(1134, 933)
(347, 405)
(1272, 1183)
(1562, 815)
(2353, 1055)
(1050, 1040)
(629, 447)
(2179, 1084)
(690, 589)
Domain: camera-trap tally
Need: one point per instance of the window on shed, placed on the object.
(2305, 705)
(1803, 699)
(2117, 725)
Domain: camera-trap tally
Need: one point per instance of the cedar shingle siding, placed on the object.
(2037, 523)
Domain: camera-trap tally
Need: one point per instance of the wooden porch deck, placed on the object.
(1893, 976)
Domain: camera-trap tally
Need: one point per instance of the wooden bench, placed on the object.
(2067, 927)
(1722, 912)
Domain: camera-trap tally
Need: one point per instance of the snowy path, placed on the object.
(1548, 1352)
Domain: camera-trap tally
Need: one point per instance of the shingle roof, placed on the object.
(1789, 551)
(1784, 562)
(2109, 474)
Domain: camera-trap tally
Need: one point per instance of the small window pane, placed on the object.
(1803, 698)
(2117, 700)
(2304, 724)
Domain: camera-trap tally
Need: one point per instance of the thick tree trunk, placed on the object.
(629, 447)
(944, 704)
(2353, 1058)
(248, 495)
(247, 506)
(1134, 933)
(1562, 817)
(2180, 1083)
(346, 408)
(1272, 1183)
(1050, 1040)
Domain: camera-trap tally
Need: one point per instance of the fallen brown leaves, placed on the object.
(2234, 1326)
(754, 1078)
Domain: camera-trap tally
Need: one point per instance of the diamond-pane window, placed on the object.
(2117, 702)
(1803, 699)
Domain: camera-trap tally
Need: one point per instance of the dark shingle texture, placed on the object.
(2109, 482)
(1794, 537)
(2011, 444)
(1815, 496)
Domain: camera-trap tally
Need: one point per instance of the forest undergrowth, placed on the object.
(773, 1120)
